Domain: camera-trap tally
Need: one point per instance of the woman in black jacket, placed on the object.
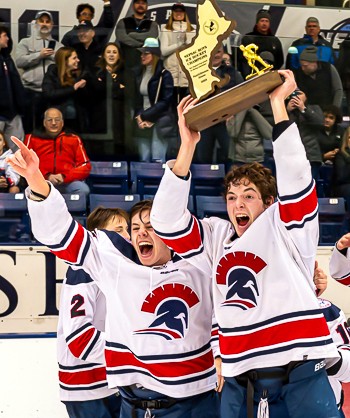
(64, 88)
(108, 110)
(154, 118)
(341, 168)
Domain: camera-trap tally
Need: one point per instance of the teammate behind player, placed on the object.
(158, 307)
(273, 337)
(81, 337)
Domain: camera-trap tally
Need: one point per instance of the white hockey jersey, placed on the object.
(159, 320)
(81, 339)
(264, 296)
(338, 328)
(339, 266)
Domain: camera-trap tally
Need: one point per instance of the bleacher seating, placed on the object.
(113, 201)
(77, 207)
(108, 177)
(332, 219)
(324, 184)
(14, 218)
(211, 206)
(190, 205)
(207, 179)
(145, 177)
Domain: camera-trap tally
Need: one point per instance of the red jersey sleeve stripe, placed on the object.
(83, 377)
(185, 241)
(73, 246)
(298, 211)
(79, 344)
(344, 280)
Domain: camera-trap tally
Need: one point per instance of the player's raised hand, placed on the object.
(287, 87)
(26, 163)
(344, 242)
(187, 134)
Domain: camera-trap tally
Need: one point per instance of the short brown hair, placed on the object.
(99, 217)
(141, 206)
(254, 173)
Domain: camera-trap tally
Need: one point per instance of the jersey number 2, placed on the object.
(77, 302)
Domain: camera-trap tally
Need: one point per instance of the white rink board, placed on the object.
(29, 384)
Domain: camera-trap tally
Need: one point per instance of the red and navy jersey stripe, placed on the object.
(188, 242)
(345, 280)
(297, 209)
(278, 334)
(88, 376)
(169, 369)
(82, 341)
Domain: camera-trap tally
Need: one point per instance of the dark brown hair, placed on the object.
(83, 6)
(101, 63)
(99, 217)
(253, 173)
(141, 207)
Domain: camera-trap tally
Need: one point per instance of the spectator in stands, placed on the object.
(343, 67)
(247, 130)
(109, 93)
(177, 32)
(131, 32)
(319, 80)
(85, 12)
(33, 56)
(96, 400)
(154, 117)
(63, 159)
(217, 133)
(227, 59)
(331, 133)
(88, 49)
(341, 168)
(12, 94)
(9, 179)
(64, 88)
(309, 119)
(263, 37)
(325, 51)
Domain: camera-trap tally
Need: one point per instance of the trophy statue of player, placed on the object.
(195, 59)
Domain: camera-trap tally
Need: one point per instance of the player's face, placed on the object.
(244, 204)
(329, 120)
(118, 224)
(149, 247)
(263, 25)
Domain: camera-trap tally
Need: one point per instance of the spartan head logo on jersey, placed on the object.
(170, 305)
(238, 272)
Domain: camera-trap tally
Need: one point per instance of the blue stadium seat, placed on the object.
(190, 205)
(326, 173)
(211, 206)
(207, 179)
(14, 219)
(109, 177)
(77, 206)
(113, 201)
(145, 177)
(332, 219)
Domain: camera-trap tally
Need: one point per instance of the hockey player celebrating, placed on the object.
(158, 307)
(273, 337)
(339, 265)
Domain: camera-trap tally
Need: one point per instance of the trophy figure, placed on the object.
(195, 59)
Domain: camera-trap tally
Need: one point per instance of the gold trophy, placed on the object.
(195, 59)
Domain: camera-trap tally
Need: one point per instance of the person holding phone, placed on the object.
(33, 55)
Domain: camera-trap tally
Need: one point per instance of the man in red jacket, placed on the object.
(63, 159)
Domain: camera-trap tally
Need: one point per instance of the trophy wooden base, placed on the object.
(230, 102)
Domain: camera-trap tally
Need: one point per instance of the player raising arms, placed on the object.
(158, 307)
(273, 337)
